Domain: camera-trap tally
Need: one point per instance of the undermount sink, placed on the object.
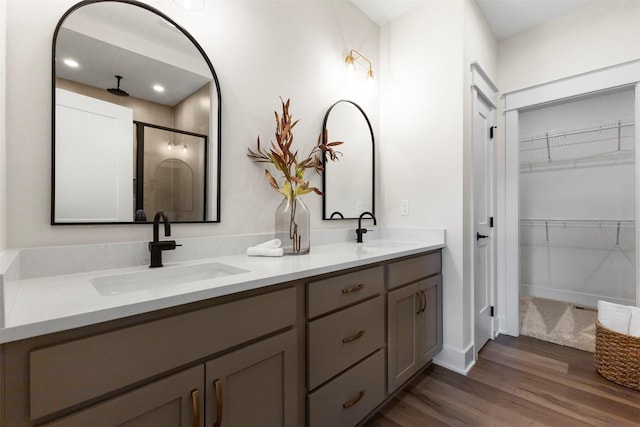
(161, 277)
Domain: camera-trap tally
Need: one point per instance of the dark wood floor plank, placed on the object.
(554, 394)
(588, 381)
(401, 412)
(489, 406)
(516, 382)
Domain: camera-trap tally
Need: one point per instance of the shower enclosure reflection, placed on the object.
(171, 173)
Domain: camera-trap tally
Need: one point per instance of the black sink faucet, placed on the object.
(360, 231)
(156, 247)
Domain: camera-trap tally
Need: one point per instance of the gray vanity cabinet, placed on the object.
(163, 367)
(254, 386)
(345, 349)
(174, 401)
(414, 316)
(326, 351)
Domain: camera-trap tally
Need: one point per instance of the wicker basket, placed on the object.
(617, 357)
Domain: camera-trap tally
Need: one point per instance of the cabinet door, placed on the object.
(175, 401)
(402, 333)
(430, 318)
(255, 385)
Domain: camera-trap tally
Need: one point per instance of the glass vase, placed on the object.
(293, 226)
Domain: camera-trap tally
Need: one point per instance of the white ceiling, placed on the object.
(510, 17)
(505, 17)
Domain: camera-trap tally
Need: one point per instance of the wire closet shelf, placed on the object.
(606, 143)
(604, 234)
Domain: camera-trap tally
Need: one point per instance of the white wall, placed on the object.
(3, 112)
(600, 35)
(425, 57)
(260, 51)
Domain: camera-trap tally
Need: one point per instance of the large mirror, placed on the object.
(136, 118)
(348, 184)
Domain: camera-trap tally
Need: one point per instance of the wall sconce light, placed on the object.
(350, 62)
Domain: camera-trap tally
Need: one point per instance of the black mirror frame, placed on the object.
(330, 216)
(53, 110)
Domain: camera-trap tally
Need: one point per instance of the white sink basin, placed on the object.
(161, 277)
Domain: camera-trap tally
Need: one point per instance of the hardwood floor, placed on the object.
(516, 382)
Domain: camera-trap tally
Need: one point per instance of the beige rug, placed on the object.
(558, 322)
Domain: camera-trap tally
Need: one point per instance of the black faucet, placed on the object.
(156, 247)
(360, 231)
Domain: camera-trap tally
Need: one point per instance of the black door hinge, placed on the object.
(491, 222)
(491, 131)
(493, 311)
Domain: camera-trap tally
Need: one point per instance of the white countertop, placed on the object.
(43, 305)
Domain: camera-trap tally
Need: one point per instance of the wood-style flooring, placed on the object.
(516, 382)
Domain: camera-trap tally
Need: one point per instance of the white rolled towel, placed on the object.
(615, 317)
(271, 244)
(268, 248)
(634, 323)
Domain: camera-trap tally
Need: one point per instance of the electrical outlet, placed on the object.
(404, 207)
(359, 207)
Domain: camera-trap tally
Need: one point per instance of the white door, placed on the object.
(94, 160)
(483, 196)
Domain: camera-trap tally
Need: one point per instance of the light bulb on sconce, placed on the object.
(184, 149)
(170, 146)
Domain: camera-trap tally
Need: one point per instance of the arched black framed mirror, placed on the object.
(348, 184)
(132, 92)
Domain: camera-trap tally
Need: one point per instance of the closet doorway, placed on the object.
(571, 196)
(577, 214)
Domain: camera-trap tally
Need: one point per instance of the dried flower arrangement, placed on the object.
(284, 158)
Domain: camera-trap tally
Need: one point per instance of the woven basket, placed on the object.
(617, 357)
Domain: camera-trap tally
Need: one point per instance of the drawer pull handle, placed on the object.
(355, 400)
(356, 288)
(195, 401)
(423, 296)
(217, 385)
(353, 337)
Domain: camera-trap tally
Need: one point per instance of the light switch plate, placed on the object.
(404, 207)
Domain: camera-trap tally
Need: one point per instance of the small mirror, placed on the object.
(348, 184)
(136, 118)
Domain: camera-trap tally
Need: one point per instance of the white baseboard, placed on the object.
(580, 298)
(460, 361)
(502, 326)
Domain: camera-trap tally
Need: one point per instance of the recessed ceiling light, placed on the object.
(71, 63)
(158, 88)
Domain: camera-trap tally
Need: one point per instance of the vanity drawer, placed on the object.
(343, 338)
(330, 294)
(347, 399)
(412, 269)
(68, 374)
